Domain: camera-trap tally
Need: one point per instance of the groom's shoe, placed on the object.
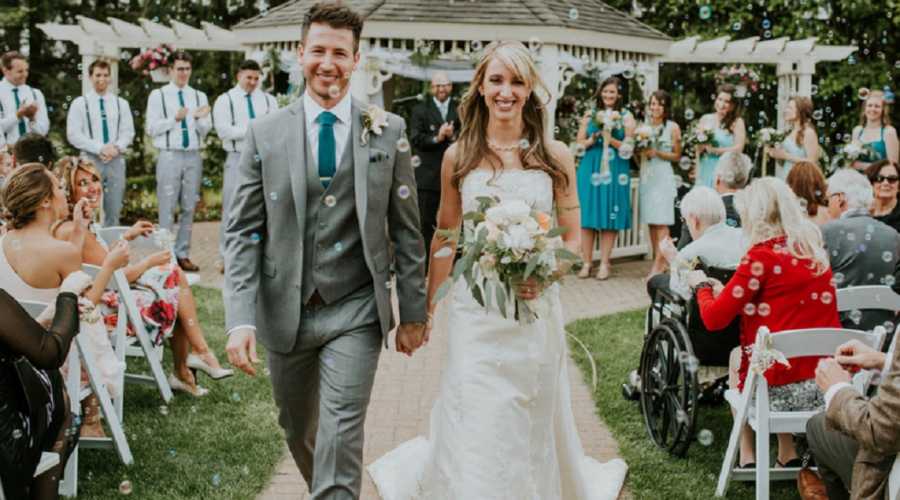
(187, 266)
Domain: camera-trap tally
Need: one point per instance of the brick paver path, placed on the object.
(405, 388)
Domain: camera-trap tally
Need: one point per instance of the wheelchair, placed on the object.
(681, 366)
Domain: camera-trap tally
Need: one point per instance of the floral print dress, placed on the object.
(156, 294)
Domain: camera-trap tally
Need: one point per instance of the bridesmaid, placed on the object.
(801, 142)
(658, 186)
(875, 130)
(729, 134)
(605, 198)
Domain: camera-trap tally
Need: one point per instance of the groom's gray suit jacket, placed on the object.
(266, 231)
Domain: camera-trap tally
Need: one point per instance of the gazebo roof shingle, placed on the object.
(593, 15)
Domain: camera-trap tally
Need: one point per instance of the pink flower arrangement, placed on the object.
(151, 59)
(739, 76)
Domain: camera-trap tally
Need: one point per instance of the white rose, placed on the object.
(508, 212)
(517, 237)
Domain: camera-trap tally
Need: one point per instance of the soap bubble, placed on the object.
(753, 284)
(862, 93)
(757, 269)
(763, 309)
(415, 161)
(573, 14)
(705, 437)
(855, 316)
(705, 12)
(330, 201)
(216, 480)
(827, 297)
(524, 144)
(685, 163)
(443, 253)
(887, 256)
(403, 145)
(623, 179)
(403, 192)
(689, 114)
(273, 196)
(737, 292)
(749, 309)
(334, 91)
(125, 487)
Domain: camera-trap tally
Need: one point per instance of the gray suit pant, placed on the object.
(178, 175)
(322, 390)
(112, 174)
(229, 185)
(835, 453)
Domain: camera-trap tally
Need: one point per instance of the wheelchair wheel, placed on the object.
(669, 387)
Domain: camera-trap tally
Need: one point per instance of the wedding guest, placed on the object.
(782, 283)
(34, 201)
(729, 134)
(875, 131)
(862, 250)
(808, 184)
(801, 142)
(100, 125)
(160, 288)
(35, 412)
(33, 148)
(178, 121)
(231, 115)
(22, 107)
(604, 185)
(434, 126)
(855, 441)
(732, 173)
(884, 177)
(715, 243)
(658, 186)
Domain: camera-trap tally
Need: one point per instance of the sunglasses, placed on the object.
(892, 179)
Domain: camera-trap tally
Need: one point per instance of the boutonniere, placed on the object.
(374, 120)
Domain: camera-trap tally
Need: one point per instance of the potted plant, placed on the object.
(154, 62)
(744, 79)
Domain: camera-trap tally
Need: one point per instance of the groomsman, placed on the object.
(232, 113)
(178, 120)
(434, 126)
(100, 125)
(22, 107)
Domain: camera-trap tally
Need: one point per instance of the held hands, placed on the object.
(411, 336)
(181, 114)
(27, 111)
(108, 152)
(694, 278)
(445, 132)
(241, 349)
(829, 372)
(855, 353)
(201, 112)
(158, 258)
(529, 289)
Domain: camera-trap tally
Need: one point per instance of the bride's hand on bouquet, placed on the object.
(529, 289)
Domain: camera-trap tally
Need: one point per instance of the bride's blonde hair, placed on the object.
(474, 115)
(769, 209)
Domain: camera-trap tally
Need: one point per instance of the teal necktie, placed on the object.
(185, 138)
(327, 147)
(22, 128)
(103, 122)
(250, 107)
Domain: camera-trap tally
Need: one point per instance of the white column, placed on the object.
(359, 80)
(650, 70)
(550, 73)
(805, 71)
(787, 77)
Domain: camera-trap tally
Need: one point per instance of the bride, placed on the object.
(502, 426)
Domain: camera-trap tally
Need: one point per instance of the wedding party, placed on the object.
(449, 249)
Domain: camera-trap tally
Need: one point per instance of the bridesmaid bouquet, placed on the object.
(851, 152)
(644, 138)
(698, 134)
(507, 242)
(608, 120)
(765, 138)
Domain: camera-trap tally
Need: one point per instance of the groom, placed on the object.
(325, 203)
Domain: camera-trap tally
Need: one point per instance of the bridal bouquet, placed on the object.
(851, 152)
(765, 138)
(507, 242)
(698, 134)
(644, 138)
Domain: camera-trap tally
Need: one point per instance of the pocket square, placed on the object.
(377, 155)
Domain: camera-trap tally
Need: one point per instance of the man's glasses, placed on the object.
(892, 179)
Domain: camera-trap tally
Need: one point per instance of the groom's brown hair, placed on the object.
(334, 14)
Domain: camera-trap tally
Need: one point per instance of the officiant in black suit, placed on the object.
(434, 126)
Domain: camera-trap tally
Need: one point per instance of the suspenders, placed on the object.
(87, 114)
(231, 107)
(3, 111)
(165, 114)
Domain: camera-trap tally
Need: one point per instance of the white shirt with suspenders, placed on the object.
(11, 127)
(231, 118)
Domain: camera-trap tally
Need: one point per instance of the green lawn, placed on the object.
(224, 445)
(615, 343)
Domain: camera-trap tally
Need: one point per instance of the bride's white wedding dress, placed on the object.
(502, 426)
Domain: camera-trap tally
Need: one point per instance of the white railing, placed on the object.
(634, 240)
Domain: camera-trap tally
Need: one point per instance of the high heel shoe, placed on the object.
(195, 363)
(603, 272)
(585, 272)
(178, 385)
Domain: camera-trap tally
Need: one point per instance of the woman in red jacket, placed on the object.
(783, 283)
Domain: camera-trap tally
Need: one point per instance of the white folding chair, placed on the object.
(880, 297)
(145, 347)
(793, 344)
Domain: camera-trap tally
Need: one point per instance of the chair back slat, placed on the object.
(33, 307)
(878, 297)
(821, 341)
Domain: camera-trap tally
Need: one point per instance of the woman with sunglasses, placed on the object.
(884, 177)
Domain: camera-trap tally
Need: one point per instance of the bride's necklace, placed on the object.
(503, 148)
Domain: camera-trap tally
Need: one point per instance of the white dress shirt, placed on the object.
(9, 124)
(84, 123)
(231, 115)
(720, 246)
(160, 118)
(342, 126)
(443, 107)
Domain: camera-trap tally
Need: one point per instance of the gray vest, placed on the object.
(333, 258)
